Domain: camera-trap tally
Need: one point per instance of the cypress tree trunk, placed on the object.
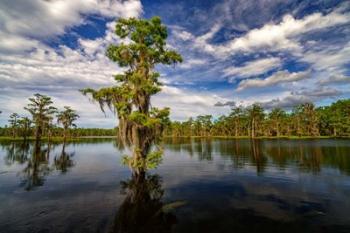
(37, 133)
(253, 128)
(277, 130)
(64, 134)
(236, 128)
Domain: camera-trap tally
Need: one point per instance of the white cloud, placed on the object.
(276, 78)
(28, 66)
(21, 21)
(328, 59)
(184, 35)
(227, 103)
(329, 63)
(275, 37)
(185, 103)
(287, 102)
(280, 36)
(44, 18)
(292, 99)
(320, 92)
(190, 63)
(253, 68)
(66, 68)
(335, 79)
(13, 43)
(201, 42)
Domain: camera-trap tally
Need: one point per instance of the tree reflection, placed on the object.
(16, 152)
(143, 209)
(307, 155)
(37, 167)
(35, 158)
(204, 149)
(257, 156)
(64, 161)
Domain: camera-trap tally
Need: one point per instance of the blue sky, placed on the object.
(236, 52)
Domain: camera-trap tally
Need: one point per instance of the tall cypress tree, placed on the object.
(140, 125)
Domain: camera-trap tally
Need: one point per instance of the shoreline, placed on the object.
(53, 139)
(264, 137)
(4, 138)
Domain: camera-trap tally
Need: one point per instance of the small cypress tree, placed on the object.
(41, 109)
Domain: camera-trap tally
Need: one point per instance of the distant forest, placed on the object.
(58, 132)
(254, 121)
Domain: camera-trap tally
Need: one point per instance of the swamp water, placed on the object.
(202, 185)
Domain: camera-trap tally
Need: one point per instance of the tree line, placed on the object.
(254, 121)
(42, 118)
(57, 131)
(47, 121)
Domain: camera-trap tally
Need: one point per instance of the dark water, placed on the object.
(201, 186)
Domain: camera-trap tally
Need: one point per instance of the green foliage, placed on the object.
(56, 132)
(148, 44)
(14, 123)
(254, 121)
(67, 118)
(151, 161)
(24, 124)
(41, 109)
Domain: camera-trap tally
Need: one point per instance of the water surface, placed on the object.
(202, 185)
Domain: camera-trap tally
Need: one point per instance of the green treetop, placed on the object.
(14, 123)
(67, 118)
(41, 109)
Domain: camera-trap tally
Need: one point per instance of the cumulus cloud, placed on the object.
(46, 68)
(188, 103)
(331, 59)
(335, 79)
(281, 36)
(329, 63)
(57, 75)
(306, 42)
(276, 78)
(286, 102)
(22, 22)
(227, 103)
(184, 35)
(293, 99)
(28, 66)
(255, 67)
(201, 42)
(321, 92)
(191, 63)
(44, 18)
